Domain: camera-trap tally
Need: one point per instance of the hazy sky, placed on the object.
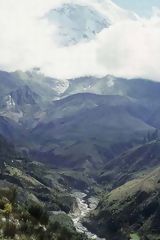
(142, 7)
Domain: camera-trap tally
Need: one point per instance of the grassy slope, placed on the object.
(36, 186)
(133, 204)
(131, 164)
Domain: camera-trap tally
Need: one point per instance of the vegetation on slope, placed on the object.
(134, 207)
(32, 221)
(33, 201)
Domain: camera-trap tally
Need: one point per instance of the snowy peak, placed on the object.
(82, 20)
(77, 23)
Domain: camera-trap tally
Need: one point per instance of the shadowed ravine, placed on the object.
(84, 207)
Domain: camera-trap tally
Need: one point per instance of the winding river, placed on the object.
(84, 207)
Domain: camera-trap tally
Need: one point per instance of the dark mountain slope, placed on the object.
(131, 208)
(90, 128)
(24, 95)
(131, 164)
(12, 131)
(142, 91)
(7, 150)
(82, 128)
(21, 105)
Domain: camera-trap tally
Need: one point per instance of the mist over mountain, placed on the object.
(89, 23)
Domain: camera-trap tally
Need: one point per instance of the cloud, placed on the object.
(28, 41)
(129, 48)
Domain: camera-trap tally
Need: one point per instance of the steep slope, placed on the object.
(131, 164)
(94, 120)
(142, 91)
(38, 199)
(46, 87)
(89, 129)
(131, 208)
(20, 104)
(154, 118)
(36, 180)
(12, 131)
(7, 150)
(25, 95)
(82, 102)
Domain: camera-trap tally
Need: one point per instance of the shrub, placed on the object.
(10, 230)
(35, 211)
(39, 214)
(8, 208)
(65, 234)
(2, 204)
(54, 227)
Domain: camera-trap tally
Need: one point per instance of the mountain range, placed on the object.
(97, 118)
(79, 156)
(107, 128)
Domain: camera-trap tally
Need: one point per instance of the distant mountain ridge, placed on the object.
(87, 122)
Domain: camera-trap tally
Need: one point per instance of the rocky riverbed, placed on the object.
(85, 205)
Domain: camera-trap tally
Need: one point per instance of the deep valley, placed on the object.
(98, 137)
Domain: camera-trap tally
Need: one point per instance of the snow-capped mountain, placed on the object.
(77, 23)
(81, 21)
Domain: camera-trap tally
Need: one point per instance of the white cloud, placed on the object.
(128, 48)
(132, 49)
(27, 41)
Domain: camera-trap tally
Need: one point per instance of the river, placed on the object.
(84, 207)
